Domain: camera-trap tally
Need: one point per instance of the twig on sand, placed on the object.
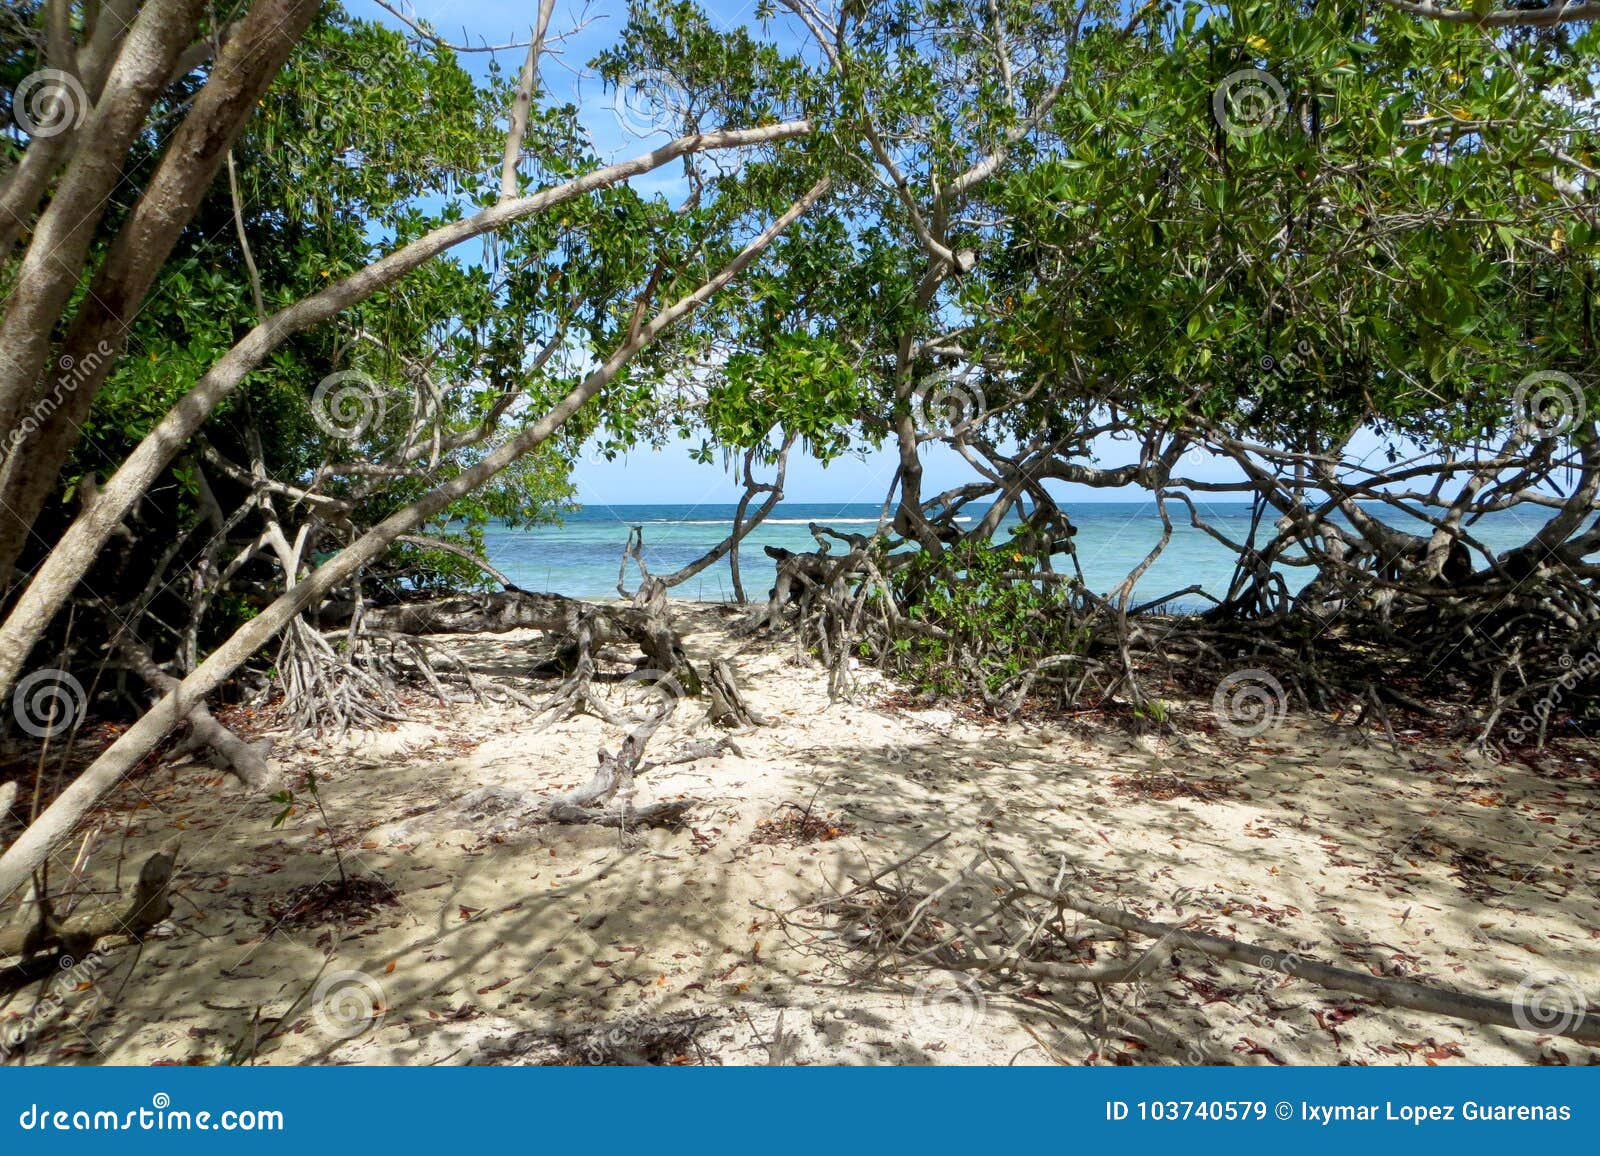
(1019, 930)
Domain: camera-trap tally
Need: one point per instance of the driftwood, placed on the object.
(585, 626)
(991, 918)
(470, 614)
(47, 945)
(612, 777)
(667, 814)
(1581, 1026)
(728, 706)
(247, 761)
(586, 629)
(514, 609)
(498, 811)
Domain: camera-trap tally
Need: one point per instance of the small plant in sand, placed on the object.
(286, 798)
(352, 899)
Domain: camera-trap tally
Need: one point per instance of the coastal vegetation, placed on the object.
(296, 304)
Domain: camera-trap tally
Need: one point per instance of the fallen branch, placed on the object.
(247, 761)
(1584, 1027)
(998, 921)
(48, 944)
(506, 811)
(667, 814)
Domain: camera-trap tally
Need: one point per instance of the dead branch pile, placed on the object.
(995, 921)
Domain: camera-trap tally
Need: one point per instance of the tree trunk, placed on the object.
(240, 75)
(75, 937)
(77, 550)
(52, 267)
(58, 820)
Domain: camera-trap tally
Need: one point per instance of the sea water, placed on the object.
(580, 556)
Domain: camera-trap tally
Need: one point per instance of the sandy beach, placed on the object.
(499, 942)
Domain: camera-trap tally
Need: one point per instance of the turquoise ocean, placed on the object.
(579, 557)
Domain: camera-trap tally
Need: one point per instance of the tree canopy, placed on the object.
(297, 303)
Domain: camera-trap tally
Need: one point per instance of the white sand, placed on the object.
(1342, 850)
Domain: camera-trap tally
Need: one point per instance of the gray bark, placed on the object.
(63, 814)
(80, 545)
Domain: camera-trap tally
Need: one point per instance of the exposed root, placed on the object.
(728, 705)
(326, 691)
